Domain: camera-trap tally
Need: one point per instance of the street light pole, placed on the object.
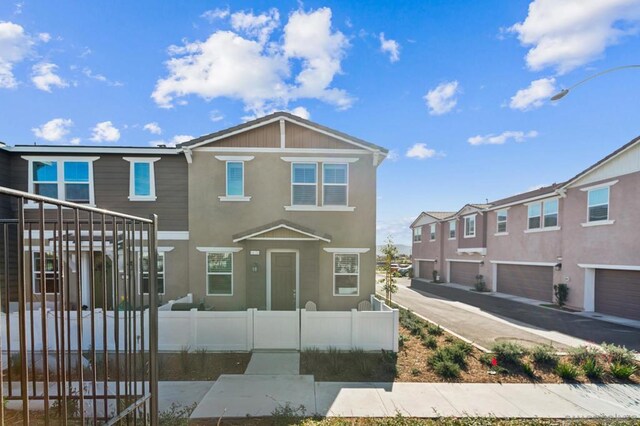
(561, 94)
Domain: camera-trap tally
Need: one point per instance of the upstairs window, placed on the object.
(235, 179)
(550, 213)
(598, 203)
(452, 229)
(543, 214)
(335, 179)
(417, 234)
(432, 232)
(470, 226)
(304, 178)
(533, 215)
(346, 274)
(44, 279)
(142, 181)
(159, 272)
(501, 219)
(64, 179)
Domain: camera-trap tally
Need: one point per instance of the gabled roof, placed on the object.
(438, 216)
(274, 117)
(476, 206)
(303, 231)
(545, 190)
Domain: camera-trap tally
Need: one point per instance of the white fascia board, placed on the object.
(516, 262)
(526, 201)
(92, 150)
(600, 185)
(479, 250)
(463, 260)
(345, 250)
(234, 157)
(319, 159)
(616, 267)
(219, 249)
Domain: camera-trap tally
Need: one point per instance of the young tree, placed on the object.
(390, 253)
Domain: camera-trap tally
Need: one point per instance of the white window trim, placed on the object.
(498, 222)
(417, 234)
(608, 203)
(600, 185)
(547, 229)
(464, 221)
(309, 208)
(304, 206)
(234, 159)
(597, 223)
(60, 176)
(335, 184)
(515, 262)
(152, 178)
(543, 228)
(207, 273)
(455, 229)
(349, 250)
(219, 249)
(333, 160)
(34, 272)
(479, 250)
(500, 234)
(161, 253)
(432, 232)
(333, 270)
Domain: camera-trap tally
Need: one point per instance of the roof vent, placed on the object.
(161, 145)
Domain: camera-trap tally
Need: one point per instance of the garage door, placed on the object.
(426, 269)
(618, 293)
(533, 282)
(464, 272)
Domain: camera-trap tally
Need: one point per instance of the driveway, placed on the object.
(445, 302)
(482, 328)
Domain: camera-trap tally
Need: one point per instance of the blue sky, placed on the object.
(456, 90)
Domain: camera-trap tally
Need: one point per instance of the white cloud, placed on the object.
(393, 155)
(44, 77)
(391, 47)
(153, 128)
(216, 116)
(44, 37)
(300, 111)
(502, 138)
(105, 132)
(15, 45)
(99, 77)
(421, 152)
(398, 229)
(534, 187)
(442, 99)
(263, 70)
(53, 130)
(570, 33)
(173, 141)
(215, 14)
(535, 95)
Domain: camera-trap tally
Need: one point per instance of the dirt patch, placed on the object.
(200, 365)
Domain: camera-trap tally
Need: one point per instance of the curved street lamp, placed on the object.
(561, 94)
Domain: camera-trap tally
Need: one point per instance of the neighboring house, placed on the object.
(582, 232)
(269, 214)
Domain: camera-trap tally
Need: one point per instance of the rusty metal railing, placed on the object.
(78, 335)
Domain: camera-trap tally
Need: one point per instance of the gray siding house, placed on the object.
(270, 214)
(582, 232)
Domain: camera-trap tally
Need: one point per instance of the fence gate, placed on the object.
(276, 329)
(61, 262)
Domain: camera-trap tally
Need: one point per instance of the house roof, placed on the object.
(279, 224)
(436, 215)
(550, 189)
(477, 206)
(272, 117)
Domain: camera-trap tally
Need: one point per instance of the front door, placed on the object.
(283, 281)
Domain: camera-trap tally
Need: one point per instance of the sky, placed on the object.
(457, 91)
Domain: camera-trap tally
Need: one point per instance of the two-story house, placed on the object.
(269, 214)
(582, 232)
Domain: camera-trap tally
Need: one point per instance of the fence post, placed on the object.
(303, 328)
(396, 331)
(193, 328)
(250, 319)
(354, 328)
(152, 240)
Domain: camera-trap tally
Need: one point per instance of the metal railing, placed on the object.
(78, 324)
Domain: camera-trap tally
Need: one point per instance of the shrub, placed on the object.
(567, 371)
(579, 356)
(451, 353)
(430, 342)
(618, 354)
(509, 352)
(401, 341)
(415, 371)
(593, 369)
(446, 369)
(334, 360)
(544, 355)
(434, 330)
(480, 285)
(486, 359)
(434, 274)
(185, 359)
(622, 371)
(528, 370)
(465, 347)
(561, 293)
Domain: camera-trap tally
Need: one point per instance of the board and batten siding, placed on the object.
(267, 136)
(302, 137)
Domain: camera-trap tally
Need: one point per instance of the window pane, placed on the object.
(234, 179)
(534, 222)
(335, 173)
(304, 195)
(551, 207)
(142, 179)
(76, 171)
(551, 219)
(78, 192)
(534, 210)
(346, 264)
(598, 213)
(599, 196)
(335, 195)
(304, 173)
(502, 215)
(219, 262)
(502, 226)
(45, 171)
(46, 189)
(346, 284)
(219, 284)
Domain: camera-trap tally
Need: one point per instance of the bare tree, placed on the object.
(390, 252)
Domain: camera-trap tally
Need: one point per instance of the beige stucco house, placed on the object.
(582, 232)
(269, 214)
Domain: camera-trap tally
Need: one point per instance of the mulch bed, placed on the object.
(200, 366)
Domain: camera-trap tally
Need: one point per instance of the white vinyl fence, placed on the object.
(229, 330)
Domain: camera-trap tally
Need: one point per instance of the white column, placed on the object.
(494, 273)
(589, 289)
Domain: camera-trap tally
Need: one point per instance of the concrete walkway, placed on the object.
(242, 395)
(555, 324)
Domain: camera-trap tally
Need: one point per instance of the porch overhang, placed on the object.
(282, 230)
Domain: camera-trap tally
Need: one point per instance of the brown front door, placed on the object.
(283, 281)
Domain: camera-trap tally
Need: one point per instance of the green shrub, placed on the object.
(622, 371)
(509, 352)
(567, 371)
(528, 370)
(544, 355)
(579, 356)
(446, 369)
(486, 359)
(402, 339)
(451, 353)
(561, 293)
(593, 369)
(619, 354)
(465, 347)
(415, 371)
(430, 342)
(434, 330)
